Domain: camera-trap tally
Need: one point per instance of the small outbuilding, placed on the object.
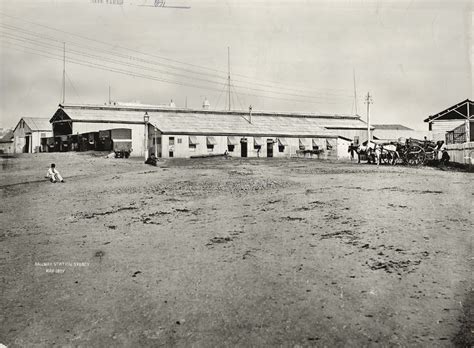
(457, 119)
(28, 133)
(6, 141)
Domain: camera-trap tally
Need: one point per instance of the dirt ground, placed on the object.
(215, 252)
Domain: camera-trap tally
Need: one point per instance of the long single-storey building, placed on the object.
(175, 132)
(28, 133)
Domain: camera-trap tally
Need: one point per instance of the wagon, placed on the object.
(118, 140)
(416, 152)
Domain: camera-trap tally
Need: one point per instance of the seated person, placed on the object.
(152, 160)
(54, 175)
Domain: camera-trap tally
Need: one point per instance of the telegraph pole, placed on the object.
(368, 101)
(110, 101)
(64, 72)
(228, 73)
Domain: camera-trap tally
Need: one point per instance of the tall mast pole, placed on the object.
(368, 100)
(110, 101)
(228, 74)
(64, 72)
(355, 91)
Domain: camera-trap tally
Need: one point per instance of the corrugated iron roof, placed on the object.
(391, 127)
(6, 136)
(38, 124)
(217, 122)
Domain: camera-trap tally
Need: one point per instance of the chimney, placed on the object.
(205, 104)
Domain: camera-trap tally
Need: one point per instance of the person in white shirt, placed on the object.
(54, 175)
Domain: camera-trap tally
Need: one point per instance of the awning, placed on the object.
(193, 140)
(233, 141)
(304, 143)
(211, 141)
(315, 142)
(282, 142)
(257, 141)
(330, 144)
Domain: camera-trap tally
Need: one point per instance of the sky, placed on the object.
(414, 57)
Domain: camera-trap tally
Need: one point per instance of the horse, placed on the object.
(376, 152)
(365, 150)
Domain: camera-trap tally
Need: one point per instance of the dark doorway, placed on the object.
(171, 154)
(270, 148)
(26, 149)
(243, 148)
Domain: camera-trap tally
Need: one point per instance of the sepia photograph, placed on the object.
(236, 173)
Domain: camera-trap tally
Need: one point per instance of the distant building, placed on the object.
(28, 133)
(396, 131)
(457, 119)
(6, 141)
(177, 132)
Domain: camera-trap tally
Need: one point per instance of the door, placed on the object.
(26, 149)
(270, 148)
(243, 148)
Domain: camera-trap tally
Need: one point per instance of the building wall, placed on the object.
(439, 128)
(343, 149)
(138, 133)
(351, 133)
(35, 144)
(461, 153)
(181, 147)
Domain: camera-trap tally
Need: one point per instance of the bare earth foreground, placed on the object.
(217, 252)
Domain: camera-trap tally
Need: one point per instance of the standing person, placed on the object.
(441, 146)
(54, 175)
(351, 151)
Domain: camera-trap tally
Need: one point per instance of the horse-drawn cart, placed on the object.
(416, 152)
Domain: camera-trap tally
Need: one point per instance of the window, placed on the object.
(192, 141)
(315, 147)
(210, 141)
(356, 140)
(328, 146)
(230, 148)
(180, 141)
(281, 144)
(158, 141)
(171, 140)
(171, 154)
